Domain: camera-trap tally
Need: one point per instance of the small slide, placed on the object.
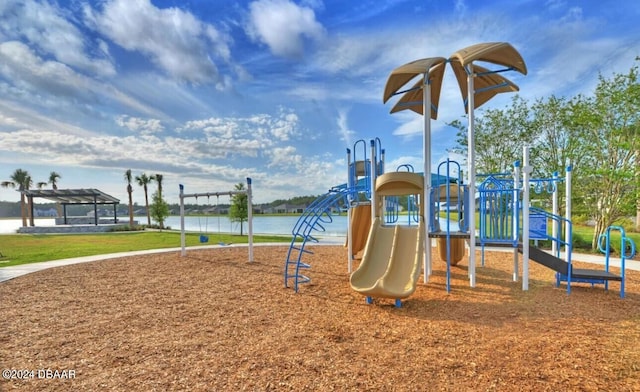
(360, 224)
(391, 263)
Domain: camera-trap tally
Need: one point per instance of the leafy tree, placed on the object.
(159, 209)
(128, 177)
(610, 121)
(303, 200)
(500, 135)
(597, 135)
(558, 143)
(238, 211)
(143, 180)
(551, 146)
(21, 180)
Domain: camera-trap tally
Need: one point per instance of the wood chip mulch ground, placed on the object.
(211, 321)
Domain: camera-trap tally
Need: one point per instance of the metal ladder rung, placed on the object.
(302, 250)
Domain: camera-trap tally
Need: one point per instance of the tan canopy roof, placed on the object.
(73, 196)
(501, 53)
(487, 84)
(412, 98)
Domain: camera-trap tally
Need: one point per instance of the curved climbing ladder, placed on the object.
(313, 219)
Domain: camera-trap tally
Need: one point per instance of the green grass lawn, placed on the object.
(19, 249)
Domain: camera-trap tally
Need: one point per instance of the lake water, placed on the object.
(212, 224)
(261, 225)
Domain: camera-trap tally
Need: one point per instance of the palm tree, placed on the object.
(158, 178)
(53, 180)
(128, 177)
(21, 180)
(143, 180)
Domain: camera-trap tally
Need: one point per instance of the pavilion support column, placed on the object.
(31, 210)
(95, 209)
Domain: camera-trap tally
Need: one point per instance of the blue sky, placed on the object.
(209, 92)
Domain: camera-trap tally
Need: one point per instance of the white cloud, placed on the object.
(175, 40)
(343, 126)
(311, 174)
(45, 26)
(55, 84)
(416, 162)
(264, 128)
(284, 158)
(139, 125)
(567, 54)
(20, 117)
(411, 124)
(460, 7)
(20, 64)
(285, 125)
(283, 26)
(555, 4)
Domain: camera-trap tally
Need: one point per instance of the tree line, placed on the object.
(596, 135)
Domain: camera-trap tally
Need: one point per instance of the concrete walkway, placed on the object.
(7, 273)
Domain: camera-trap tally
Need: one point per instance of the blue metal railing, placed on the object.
(498, 223)
(561, 222)
(627, 250)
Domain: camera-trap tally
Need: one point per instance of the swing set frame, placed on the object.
(247, 191)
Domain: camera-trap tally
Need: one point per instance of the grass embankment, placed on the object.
(19, 249)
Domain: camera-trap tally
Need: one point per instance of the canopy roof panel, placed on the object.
(501, 53)
(413, 97)
(486, 84)
(73, 196)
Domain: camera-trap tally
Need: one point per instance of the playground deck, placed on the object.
(212, 321)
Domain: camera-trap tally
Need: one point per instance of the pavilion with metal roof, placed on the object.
(67, 197)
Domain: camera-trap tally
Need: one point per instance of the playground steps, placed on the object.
(451, 234)
(495, 244)
(577, 274)
(547, 259)
(562, 267)
(313, 219)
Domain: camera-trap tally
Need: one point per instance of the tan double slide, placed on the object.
(391, 262)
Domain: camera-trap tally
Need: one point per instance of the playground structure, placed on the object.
(504, 211)
(505, 206)
(477, 86)
(203, 237)
(365, 168)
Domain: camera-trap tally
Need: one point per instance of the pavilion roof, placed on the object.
(73, 196)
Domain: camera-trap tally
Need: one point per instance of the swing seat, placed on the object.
(204, 238)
